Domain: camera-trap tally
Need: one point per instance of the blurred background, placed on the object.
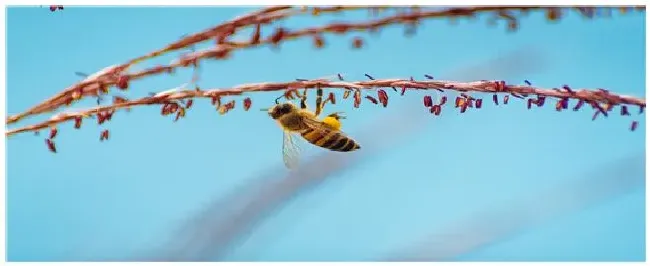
(549, 186)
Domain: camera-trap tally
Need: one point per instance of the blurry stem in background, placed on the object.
(494, 226)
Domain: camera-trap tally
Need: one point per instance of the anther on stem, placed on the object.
(100, 118)
(319, 42)
(104, 135)
(383, 97)
(357, 42)
(599, 108)
(164, 110)
(216, 101)
(173, 107)
(346, 94)
(428, 102)
(624, 110)
(357, 98)
(122, 83)
(561, 104)
(247, 103)
(470, 102)
(180, 113)
(50, 145)
(553, 13)
(578, 105)
(53, 132)
(77, 122)
(479, 103)
(372, 99)
(595, 115)
(278, 36)
(435, 110)
(331, 98)
(463, 107)
(226, 107)
(256, 35)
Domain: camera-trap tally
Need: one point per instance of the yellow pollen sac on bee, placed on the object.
(332, 122)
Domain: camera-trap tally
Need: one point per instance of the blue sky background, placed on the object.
(126, 196)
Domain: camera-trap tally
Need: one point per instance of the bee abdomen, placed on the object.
(341, 143)
(312, 136)
(333, 141)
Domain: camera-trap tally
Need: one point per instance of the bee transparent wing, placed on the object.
(290, 150)
(321, 126)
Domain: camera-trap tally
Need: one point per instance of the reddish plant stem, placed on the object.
(599, 95)
(264, 16)
(108, 76)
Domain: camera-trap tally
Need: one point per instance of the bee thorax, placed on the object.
(292, 122)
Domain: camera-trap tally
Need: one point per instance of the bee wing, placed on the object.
(321, 126)
(290, 150)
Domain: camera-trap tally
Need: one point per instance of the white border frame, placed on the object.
(3, 112)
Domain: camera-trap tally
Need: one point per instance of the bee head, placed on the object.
(281, 109)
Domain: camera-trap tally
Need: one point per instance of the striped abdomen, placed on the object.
(330, 139)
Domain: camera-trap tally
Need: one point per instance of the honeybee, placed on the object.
(325, 133)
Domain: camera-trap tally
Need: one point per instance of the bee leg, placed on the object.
(319, 101)
(337, 115)
(303, 101)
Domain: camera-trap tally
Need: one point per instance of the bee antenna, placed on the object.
(277, 100)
